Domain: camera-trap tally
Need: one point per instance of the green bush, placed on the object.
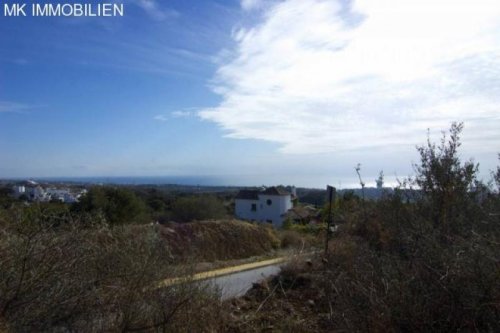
(118, 205)
(197, 208)
(6, 199)
(312, 229)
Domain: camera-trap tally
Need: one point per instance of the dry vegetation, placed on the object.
(75, 277)
(425, 260)
(417, 261)
(65, 272)
(219, 240)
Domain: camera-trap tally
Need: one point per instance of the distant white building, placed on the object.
(63, 195)
(34, 192)
(30, 192)
(267, 205)
(18, 190)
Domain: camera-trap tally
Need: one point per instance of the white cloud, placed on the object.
(250, 4)
(153, 9)
(181, 114)
(12, 107)
(175, 114)
(322, 76)
(160, 117)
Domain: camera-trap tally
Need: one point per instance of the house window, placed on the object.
(269, 202)
(254, 207)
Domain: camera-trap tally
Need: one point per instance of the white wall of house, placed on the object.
(243, 209)
(268, 209)
(272, 208)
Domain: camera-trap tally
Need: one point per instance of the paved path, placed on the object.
(237, 284)
(223, 271)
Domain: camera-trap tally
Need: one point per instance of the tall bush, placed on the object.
(81, 278)
(446, 184)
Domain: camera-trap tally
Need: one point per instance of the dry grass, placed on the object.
(81, 276)
(92, 279)
(219, 240)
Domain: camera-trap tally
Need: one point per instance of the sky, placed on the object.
(249, 92)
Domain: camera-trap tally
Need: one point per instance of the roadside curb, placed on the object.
(222, 272)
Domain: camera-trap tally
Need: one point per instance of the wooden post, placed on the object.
(331, 195)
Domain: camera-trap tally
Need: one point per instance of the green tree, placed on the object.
(119, 205)
(496, 175)
(380, 180)
(186, 209)
(447, 185)
(6, 198)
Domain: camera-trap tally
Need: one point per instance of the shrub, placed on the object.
(290, 239)
(197, 208)
(423, 259)
(298, 240)
(6, 199)
(76, 278)
(118, 205)
(429, 264)
(311, 229)
(446, 184)
(219, 240)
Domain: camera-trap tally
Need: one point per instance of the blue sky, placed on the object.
(252, 92)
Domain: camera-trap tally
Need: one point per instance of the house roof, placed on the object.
(254, 194)
(274, 191)
(302, 212)
(248, 194)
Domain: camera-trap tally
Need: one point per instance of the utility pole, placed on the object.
(331, 196)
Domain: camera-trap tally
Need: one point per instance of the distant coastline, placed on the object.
(133, 180)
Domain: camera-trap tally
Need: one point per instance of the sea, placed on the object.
(142, 180)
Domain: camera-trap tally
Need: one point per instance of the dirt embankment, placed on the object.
(219, 240)
(288, 302)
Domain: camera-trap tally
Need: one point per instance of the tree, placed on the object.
(119, 205)
(496, 176)
(362, 183)
(444, 181)
(380, 180)
(186, 209)
(6, 198)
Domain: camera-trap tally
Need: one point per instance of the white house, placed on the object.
(34, 192)
(31, 190)
(267, 205)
